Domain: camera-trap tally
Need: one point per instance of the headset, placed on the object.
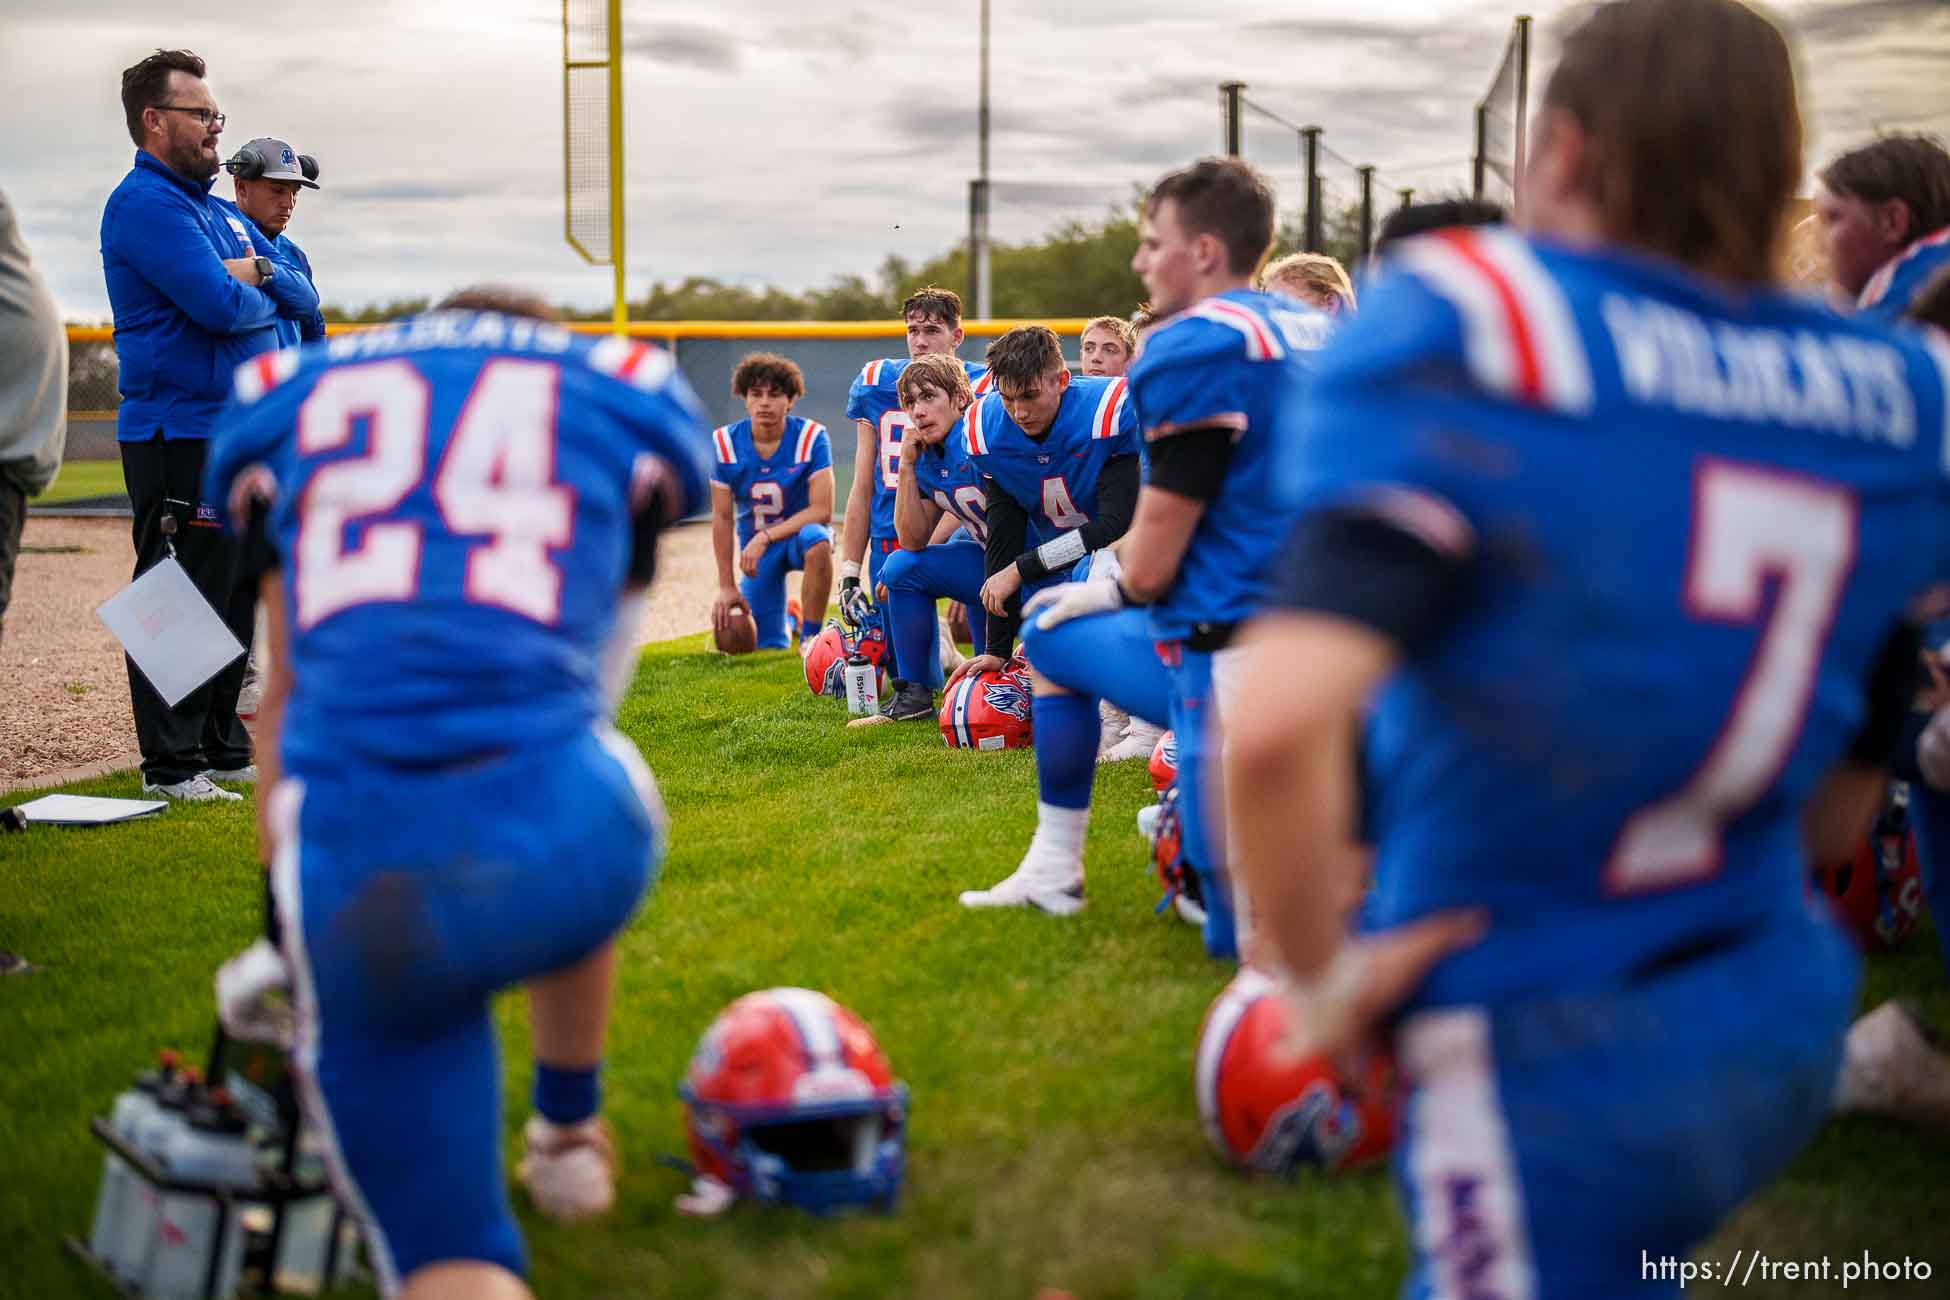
(248, 164)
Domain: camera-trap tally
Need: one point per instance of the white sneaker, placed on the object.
(1891, 1066)
(569, 1173)
(245, 775)
(196, 789)
(1056, 888)
(1111, 721)
(1144, 733)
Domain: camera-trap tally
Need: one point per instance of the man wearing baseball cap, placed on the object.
(267, 174)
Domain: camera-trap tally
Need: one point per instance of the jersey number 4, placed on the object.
(1750, 527)
(495, 479)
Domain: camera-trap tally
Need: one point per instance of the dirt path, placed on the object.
(64, 689)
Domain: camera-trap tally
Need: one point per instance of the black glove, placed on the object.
(853, 601)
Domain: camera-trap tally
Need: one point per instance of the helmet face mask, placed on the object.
(1168, 855)
(1877, 892)
(826, 658)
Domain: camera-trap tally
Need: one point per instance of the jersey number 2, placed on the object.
(495, 479)
(1750, 526)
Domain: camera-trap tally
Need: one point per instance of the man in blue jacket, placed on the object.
(194, 298)
(266, 175)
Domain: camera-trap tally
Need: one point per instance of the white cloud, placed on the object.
(791, 144)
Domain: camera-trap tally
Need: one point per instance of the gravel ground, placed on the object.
(64, 689)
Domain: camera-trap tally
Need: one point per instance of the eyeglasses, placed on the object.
(208, 116)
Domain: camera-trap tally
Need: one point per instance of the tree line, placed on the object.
(1081, 268)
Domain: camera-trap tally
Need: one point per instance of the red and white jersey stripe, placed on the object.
(984, 384)
(1878, 285)
(1110, 407)
(264, 372)
(977, 444)
(1262, 344)
(643, 365)
(809, 434)
(1519, 336)
(870, 373)
(721, 441)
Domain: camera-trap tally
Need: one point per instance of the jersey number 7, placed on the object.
(496, 479)
(1749, 526)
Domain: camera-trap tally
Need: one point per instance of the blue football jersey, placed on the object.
(1236, 361)
(452, 498)
(1054, 477)
(1897, 283)
(766, 489)
(947, 475)
(1691, 516)
(873, 398)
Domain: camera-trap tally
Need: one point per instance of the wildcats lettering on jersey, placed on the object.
(1670, 603)
(1054, 477)
(875, 399)
(1238, 362)
(767, 489)
(1810, 379)
(458, 489)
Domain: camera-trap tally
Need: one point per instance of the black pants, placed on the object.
(165, 476)
(13, 517)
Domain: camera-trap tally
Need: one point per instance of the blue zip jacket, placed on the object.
(292, 331)
(183, 324)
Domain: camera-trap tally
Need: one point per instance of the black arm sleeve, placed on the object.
(1192, 462)
(1117, 492)
(1358, 566)
(1890, 689)
(646, 522)
(256, 554)
(1008, 534)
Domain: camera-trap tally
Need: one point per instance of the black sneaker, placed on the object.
(910, 702)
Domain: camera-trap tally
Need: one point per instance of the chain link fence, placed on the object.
(92, 374)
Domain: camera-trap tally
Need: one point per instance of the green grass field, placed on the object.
(1054, 1140)
(80, 479)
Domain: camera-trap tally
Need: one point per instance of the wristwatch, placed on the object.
(266, 268)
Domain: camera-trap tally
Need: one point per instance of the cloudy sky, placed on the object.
(790, 141)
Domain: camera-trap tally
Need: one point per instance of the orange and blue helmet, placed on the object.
(1267, 1111)
(789, 1099)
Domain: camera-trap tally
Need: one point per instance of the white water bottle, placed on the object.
(305, 1248)
(135, 1233)
(118, 1196)
(862, 686)
(212, 1149)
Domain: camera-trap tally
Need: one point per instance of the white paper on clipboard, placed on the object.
(170, 631)
(85, 810)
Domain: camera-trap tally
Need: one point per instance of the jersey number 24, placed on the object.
(495, 480)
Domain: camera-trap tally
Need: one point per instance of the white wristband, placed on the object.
(1061, 552)
(849, 568)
